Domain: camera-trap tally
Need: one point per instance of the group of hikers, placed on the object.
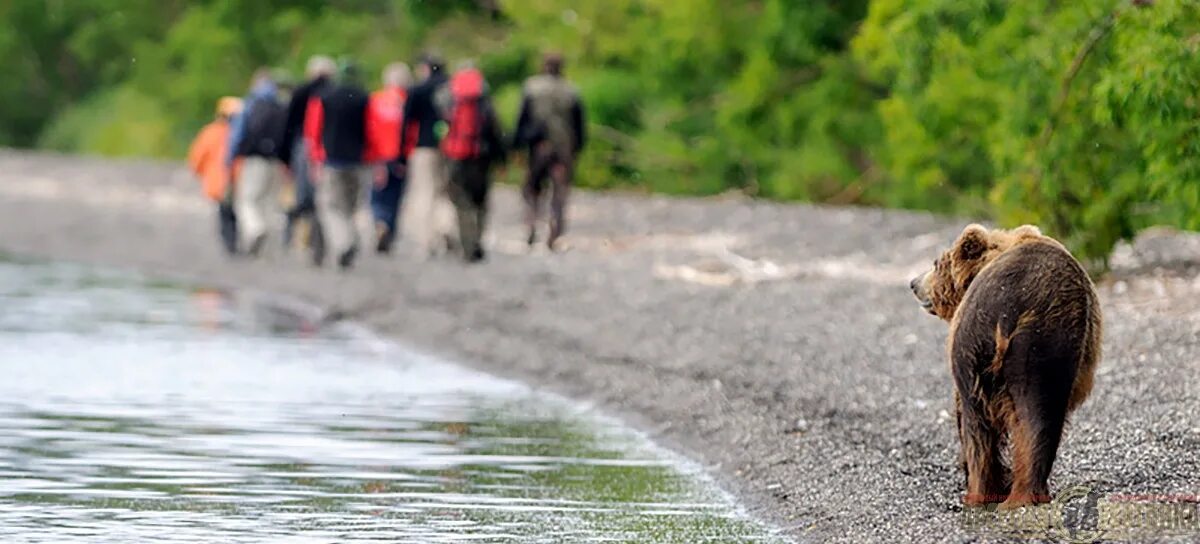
(426, 148)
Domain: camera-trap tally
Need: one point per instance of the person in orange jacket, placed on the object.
(206, 158)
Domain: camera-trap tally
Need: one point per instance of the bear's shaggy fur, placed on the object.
(1024, 342)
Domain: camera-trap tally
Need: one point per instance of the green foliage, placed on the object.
(1081, 117)
(58, 52)
(143, 128)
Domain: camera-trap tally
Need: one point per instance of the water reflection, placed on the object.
(137, 411)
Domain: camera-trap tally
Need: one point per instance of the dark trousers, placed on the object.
(227, 226)
(469, 183)
(385, 206)
(306, 209)
(306, 204)
(547, 164)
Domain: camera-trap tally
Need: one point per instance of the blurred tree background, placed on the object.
(1078, 116)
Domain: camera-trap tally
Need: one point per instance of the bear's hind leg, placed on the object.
(982, 446)
(1036, 433)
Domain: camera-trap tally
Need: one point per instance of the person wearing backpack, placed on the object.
(336, 128)
(551, 125)
(472, 144)
(256, 137)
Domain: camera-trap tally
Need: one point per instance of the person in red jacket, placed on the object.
(335, 127)
(472, 144)
(385, 111)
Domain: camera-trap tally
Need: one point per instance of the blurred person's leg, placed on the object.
(417, 213)
(445, 219)
(356, 190)
(385, 208)
(252, 196)
(468, 189)
(538, 165)
(337, 201)
(332, 209)
(316, 237)
(304, 204)
(479, 196)
(562, 173)
(227, 222)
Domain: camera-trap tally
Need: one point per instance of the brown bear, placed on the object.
(1024, 342)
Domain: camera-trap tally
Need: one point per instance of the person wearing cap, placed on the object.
(336, 130)
(551, 125)
(428, 215)
(384, 114)
(206, 159)
(319, 71)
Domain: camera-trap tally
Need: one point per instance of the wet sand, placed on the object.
(776, 344)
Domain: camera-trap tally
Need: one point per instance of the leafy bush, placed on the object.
(1080, 117)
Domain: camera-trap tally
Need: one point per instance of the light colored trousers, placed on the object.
(428, 216)
(339, 194)
(256, 197)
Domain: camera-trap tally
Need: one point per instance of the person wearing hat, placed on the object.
(206, 159)
(336, 129)
(552, 127)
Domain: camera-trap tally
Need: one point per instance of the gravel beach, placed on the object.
(777, 344)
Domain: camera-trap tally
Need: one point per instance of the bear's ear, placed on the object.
(972, 243)
(1027, 230)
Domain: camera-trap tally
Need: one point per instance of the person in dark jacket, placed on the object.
(295, 153)
(428, 215)
(336, 129)
(552, 127)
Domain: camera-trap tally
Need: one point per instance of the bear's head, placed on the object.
(941, 289)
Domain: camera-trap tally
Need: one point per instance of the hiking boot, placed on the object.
(317, 254)
(476, 256)
(452, 243)
(556, 232)
(256, 245)
(346, 260)
(383, 239)
(288, 229)
(532, 237)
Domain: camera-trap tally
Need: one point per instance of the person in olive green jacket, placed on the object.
(552, 126)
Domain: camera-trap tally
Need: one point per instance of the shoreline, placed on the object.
(776, 345)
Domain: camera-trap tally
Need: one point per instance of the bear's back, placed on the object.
(1035, 286)
(1029, 273)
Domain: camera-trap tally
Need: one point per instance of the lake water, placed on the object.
(138, 411)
